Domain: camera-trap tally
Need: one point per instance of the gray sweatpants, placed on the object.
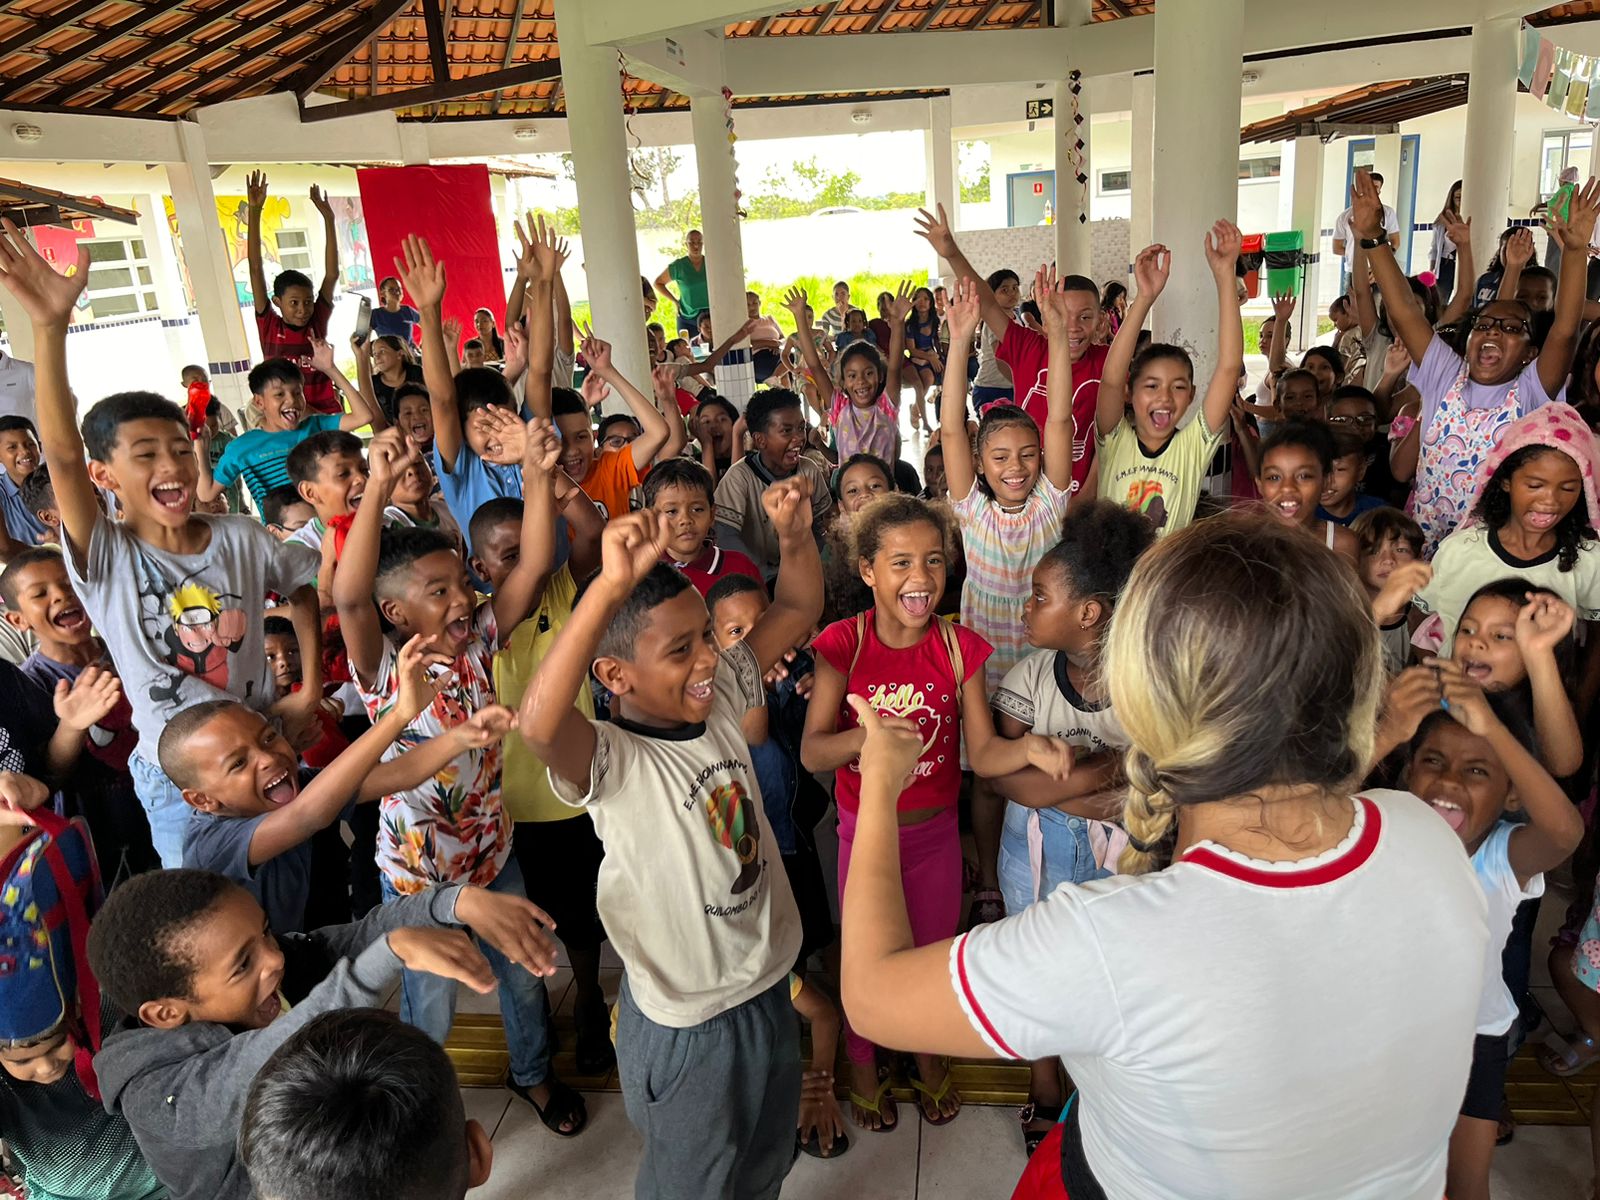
(717, 1103)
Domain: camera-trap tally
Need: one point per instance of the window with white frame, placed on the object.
(1260, 170)
(294, 250)
(120, 283)
(1562, 148)
(1116, 182)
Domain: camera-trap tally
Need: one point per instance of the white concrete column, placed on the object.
(1491, 119)
(943, 180)
(1307, 218)
(719, 216)
(163, 260)
(210, 274)
(1594, 152)
(1072, 198)
(1142, 177)
(600, 161)
(1198, 64)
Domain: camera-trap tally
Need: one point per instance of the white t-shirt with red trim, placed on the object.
(1234, 1026)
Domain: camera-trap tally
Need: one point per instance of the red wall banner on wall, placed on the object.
(450, 207)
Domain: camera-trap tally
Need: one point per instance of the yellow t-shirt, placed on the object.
(1164, 486)
(524, 782)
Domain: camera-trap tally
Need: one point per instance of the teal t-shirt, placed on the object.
(261, 459)
(693, 289)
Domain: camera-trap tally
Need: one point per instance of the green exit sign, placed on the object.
(1040, 109)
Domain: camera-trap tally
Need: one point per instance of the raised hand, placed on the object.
(88, 699)
(420, 274)
(664, 381)
(1222, 248)
(796, 301)
(512, 925)
(1283, 306)
(890, 750)
(900, 306)
(48, 297)
(506, 436)
(418, 683)
(1518, 249)
(255, 189)
(1151, 270)
(542, 447)
(1396, 359)
(319, 201)
(388, 455)
(963, 310)
(788, 506)
(1458, 231)
(321, 354)
(549, 249)
(1047, 294)
(1543, 624)
(594, 389)
(1577, 228)
(452, 333)
(631, 545)
(935, 228)
(596, 353)
(1366, 209)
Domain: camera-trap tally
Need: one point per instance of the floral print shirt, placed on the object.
(451, 829)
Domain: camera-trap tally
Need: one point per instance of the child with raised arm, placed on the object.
(1469, 400)
(690, 892)
(864, 410)
(176, 595)
(1147, 463)
(302, 315)
(452, 827)
(1009, 504)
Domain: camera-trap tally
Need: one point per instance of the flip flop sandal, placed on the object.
(988, 906)
(565, 1105)
(813, 1145)
(1034, 1111)
(875, 1107)
(935, 1097)
(1564, 1057)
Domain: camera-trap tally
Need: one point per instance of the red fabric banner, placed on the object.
(450, 207)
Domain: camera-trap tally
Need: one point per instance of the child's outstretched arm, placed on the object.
(1058, 380)
(423, 278)
(1150, 272)
(585, 526)
(1460, 234)
(554, 730)
(819, 1107)
(796, 300)
(548, 252)
(330, 244)
(934, 228)
(49, 299)
(656, 432)
(79, 707)
(519, 594)
(361, 411)
(1515, 255)
(1278, 345)
(335, 785)
(798, 597)
(353, 583)
(992, 756)
(895, 993)
(421, 763)
(1542, 625)
(255, 201)
(899, 311)
(1222, 252)
(1555, 826)
(1575, 232)
(1405, 318)
(1361, 294)
(963, 312)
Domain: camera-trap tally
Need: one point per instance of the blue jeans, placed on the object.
(1068, 856)
(429, 1002)
(164, 808)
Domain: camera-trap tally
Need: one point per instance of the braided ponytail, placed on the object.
(1149, 818)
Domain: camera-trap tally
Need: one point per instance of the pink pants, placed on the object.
(930, 873)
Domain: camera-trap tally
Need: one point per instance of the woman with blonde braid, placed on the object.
(1232, 1008)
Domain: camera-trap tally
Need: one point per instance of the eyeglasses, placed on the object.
(1515, 326)
(1367, 419)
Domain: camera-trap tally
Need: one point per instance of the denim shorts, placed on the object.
(1067, 855)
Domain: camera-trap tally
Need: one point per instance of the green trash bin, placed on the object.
(1286, 273)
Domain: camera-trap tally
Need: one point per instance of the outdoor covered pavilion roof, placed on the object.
(25, 205)
(422, 59)
(1375, 108)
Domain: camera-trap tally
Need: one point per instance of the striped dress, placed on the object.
(1002, 548)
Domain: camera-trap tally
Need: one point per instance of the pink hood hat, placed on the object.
(1554, 426)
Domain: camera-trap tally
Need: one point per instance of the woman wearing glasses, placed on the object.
(1469, 400)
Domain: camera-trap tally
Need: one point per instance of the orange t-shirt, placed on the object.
(609, 481)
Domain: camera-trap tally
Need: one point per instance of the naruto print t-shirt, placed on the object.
(692, 891)
(184, 628)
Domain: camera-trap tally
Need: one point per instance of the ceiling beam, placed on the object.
(933, 14)
(511, 46)
(621, 22)
(98, 39)
(199, 53)
(236, 65)
(456, 89)
(373, 22)
(882, 15)
(438, 45)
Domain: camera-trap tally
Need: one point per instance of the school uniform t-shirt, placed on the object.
(16, 388)
(261, 459)
(917, 683)
(183, 628)
(221, 843)
(1491, 863)
(1473, 556)
(716, 563)
(1027, 353)
(691, 889)
(738, 502)
(21, 524)
(1038, 693)
(1164, 486)
(1199, 1010)
(279, 339)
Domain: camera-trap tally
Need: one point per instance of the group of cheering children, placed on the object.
(533, 620)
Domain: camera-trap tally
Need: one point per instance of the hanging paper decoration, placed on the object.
(1073, 131)
(637, 179)
(733, 137)
(1563, 79)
